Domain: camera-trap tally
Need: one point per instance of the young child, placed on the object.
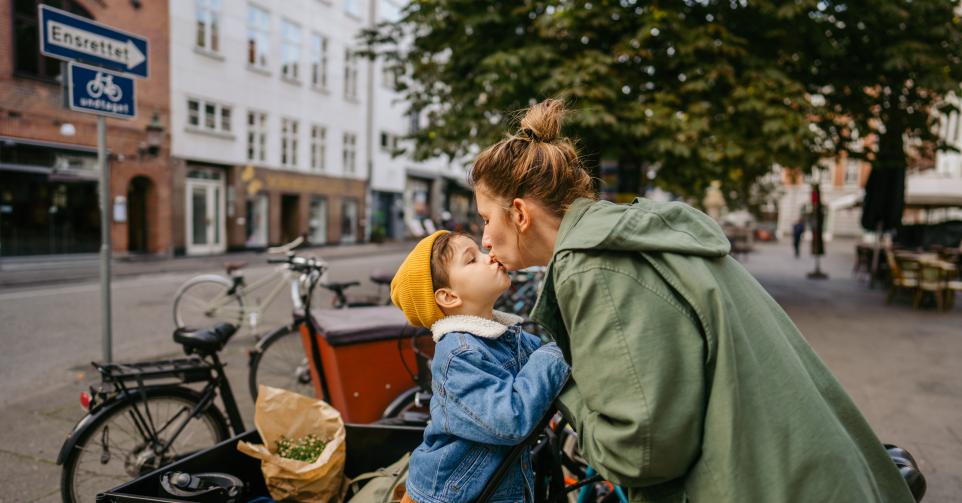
(492, 382)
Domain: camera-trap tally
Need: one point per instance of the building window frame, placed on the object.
(350, 75)
(354, 9)
(318, 147)
(208, 25)
(290, 50)
(318, 53)
(258, 37)
(349, 153)
(209, 116)
(25, 43)
(256, 136)
(289, 142)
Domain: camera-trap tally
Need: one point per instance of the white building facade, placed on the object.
(278, 129)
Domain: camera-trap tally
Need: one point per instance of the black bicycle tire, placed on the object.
(117, 407)
(258, 354)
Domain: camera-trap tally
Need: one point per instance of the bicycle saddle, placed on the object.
(340, 285)
(382, 277)
(234, 265)
(207, 340)
(220, 487)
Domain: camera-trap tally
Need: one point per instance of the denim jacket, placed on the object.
(492, 384)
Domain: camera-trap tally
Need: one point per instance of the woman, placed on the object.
(688, 381)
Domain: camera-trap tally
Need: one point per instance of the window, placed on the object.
(350, 75)
(193, 113)
(208, 24)
(348, 221)
(258, 36)
(288, 142)
(353, 8)
(389, 142)
(389, 76)
(256, 136)
(26, 39)
(290, 50)
(318, 147)
(350, 152)
(389, 11)
(208, 115)
(317, 225)
(318, 61)
(255, 224)
(414, 122)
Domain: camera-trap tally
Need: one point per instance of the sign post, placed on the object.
(100, 90)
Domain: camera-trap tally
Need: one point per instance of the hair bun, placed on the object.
(543, 120)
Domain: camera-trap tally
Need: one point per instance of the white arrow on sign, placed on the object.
(83, 41)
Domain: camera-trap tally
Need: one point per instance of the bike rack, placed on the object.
(188, 370)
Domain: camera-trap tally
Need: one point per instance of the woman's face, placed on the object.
(500, 234)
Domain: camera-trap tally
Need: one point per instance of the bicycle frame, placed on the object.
(183, 371)
(281, 276)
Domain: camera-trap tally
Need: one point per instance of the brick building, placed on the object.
(48, 171)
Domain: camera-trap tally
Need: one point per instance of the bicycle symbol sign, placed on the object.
(99, 91)
(103, 85)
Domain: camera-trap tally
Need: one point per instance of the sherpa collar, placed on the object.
(475, 325)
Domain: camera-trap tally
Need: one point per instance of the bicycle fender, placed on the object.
(120, 399)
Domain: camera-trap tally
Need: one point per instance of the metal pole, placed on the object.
(105, 318)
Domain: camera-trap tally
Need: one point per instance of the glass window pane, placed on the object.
(225, 118)
(198, 216)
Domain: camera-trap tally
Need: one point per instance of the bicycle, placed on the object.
(143, 415)
(210, 298)
(155, 434)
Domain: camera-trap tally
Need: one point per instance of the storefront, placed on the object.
(277, 206)
(388, 216)
(48, 198)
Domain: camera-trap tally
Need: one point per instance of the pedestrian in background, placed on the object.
(797, 230)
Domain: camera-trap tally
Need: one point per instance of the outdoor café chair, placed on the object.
(932, 279)
(898, 278)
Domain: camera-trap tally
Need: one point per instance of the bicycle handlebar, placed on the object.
(300, 264)
(286, 248)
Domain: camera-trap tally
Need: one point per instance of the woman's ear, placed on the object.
(447, 298)
(520, 214)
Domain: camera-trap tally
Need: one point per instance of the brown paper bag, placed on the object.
(279, 412)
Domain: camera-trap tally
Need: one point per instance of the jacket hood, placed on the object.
(643, 226)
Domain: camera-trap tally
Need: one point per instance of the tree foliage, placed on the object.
(699, 89)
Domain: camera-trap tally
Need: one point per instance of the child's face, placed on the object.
(475, 278)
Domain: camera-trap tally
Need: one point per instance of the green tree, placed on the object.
(700, 89)
(883, 68)
(693, 88)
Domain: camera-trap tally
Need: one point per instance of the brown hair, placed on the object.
(441, 253)
(535, 162)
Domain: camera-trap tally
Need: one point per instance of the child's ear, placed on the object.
(447, 298)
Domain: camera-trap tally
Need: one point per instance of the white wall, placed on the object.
(226, 78)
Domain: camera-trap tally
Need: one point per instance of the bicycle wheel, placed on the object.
(205, 301)
(279, 361)
(112, 449)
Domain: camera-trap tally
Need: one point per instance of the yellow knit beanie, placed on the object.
(412, 289)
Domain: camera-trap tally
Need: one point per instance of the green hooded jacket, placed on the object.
(688, 381)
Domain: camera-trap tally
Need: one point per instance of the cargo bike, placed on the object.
(146, 419)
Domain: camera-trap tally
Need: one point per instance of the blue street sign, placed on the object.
(99, 91)
(67, 36)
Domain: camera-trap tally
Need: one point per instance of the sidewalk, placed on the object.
(47, 269)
